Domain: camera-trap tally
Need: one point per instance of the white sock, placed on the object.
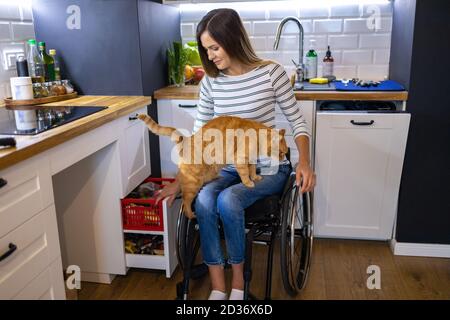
(236, 294)
(217, 295)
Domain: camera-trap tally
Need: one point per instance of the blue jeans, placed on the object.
(226, 198)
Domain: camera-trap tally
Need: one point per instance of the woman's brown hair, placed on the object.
(225, 27)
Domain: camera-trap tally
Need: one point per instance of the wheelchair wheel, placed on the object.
(296, 239)
(188, 240)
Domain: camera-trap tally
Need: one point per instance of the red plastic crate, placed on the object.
(144, 214)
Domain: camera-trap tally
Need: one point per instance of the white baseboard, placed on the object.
(420, 249)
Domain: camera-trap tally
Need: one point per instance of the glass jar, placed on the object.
(48, 86)
(37, 90)
(68, 85)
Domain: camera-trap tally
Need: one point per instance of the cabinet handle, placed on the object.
(132, 118)
(3, 182)
(12, 248)
(187, 105)
(362, 123)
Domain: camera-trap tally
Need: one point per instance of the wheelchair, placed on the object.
(287, 217)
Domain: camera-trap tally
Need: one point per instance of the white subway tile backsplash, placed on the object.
(328, 26)
(373, 72)
(344, 11)
(259, 43)
(356, 26)
(343, 41)
(365, 25)
(384, 9)
(375, 41)
(22, 31)
(352, 57)
(286, 43)
(357, 50)
(347, 72)
(280, 13)
(187, 30)
(9, 11)
(5, 31)
(381, 56)
(253, 14)
(291, 27)
(248, 28)
(192, 15)
(319, 12)
(265, 27)
(26, 13)
(321, 41)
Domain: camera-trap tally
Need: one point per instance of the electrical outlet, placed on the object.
(10, 57)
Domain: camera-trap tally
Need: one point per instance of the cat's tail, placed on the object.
(160, 130)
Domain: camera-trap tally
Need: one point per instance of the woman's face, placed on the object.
(215, 52)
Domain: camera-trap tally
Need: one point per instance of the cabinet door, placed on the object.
(27, 191)
(49, 285)
(171, 114)
(358, 169)
(135, 152)
(37, 246)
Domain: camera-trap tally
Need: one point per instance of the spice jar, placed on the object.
(48, 87)
(37, 90)
(68, 85)
(58, 89)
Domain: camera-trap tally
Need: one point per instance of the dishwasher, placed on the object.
(358, 160)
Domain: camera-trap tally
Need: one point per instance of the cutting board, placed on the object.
(386, 85)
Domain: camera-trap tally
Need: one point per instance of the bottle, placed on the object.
(49, 64)
(36, 67)
(311, 62)
(22, 67)
(328, 63)
(52, 53)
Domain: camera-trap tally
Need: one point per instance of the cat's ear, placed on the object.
(282, 132)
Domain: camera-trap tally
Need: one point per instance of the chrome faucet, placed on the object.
(299, 66)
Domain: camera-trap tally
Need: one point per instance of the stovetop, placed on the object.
(44, 119)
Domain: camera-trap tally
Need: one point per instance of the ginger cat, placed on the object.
(196, 169)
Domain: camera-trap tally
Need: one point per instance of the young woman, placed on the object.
(239, 83)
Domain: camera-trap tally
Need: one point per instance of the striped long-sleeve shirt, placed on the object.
(252, 95)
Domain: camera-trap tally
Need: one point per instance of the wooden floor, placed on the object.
(338, 271)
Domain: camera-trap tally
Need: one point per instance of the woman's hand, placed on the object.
(304, 173)
(170, 192)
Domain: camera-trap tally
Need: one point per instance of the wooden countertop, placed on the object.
(191, 93)
(29, 146)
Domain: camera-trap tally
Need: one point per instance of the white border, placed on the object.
(420, 249)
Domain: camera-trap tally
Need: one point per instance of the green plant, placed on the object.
(191, 48)
(177, 58)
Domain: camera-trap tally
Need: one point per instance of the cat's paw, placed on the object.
(249, 184)
(257, 178)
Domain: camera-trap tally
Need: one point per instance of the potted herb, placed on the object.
(177, 58)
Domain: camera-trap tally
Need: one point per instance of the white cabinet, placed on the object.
(358, 167)
(37, 247)
(179, 114)
(134, 150)
(28, 190)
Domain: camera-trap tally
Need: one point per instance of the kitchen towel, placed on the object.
(386, 85)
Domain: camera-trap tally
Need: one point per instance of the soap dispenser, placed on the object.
(311, 62)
